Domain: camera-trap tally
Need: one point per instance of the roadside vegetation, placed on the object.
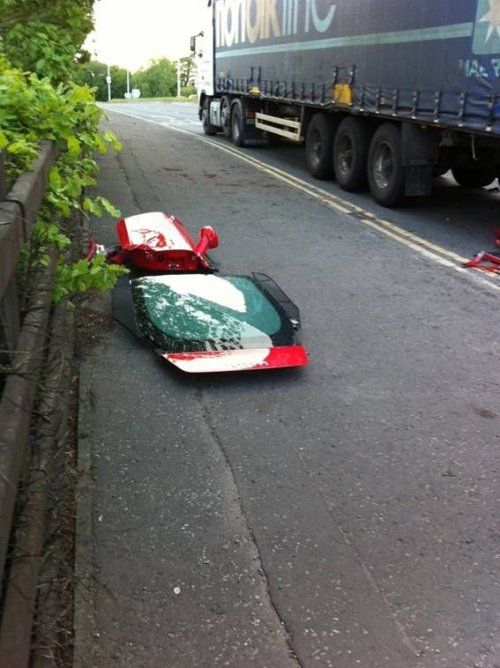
(41, 99)
(158, 80)
(168, 100)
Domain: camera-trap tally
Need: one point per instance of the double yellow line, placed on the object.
(418, 244)
(427, 249)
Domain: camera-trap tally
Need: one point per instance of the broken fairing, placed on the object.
(160, 242)
(200, 322)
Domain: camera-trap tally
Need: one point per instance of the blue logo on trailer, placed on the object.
(487, 27)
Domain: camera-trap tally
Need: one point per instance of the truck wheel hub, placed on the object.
(235, 126)
(383, 166)
(317, 147)
(346, 155)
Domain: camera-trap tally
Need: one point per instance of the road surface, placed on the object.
(462, 221)
(342, 515)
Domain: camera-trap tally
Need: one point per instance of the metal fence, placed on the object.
(25, 325)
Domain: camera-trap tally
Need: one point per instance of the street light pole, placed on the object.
(108, 81)
(128, 82)
(178, 77)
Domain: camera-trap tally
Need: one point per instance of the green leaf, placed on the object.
(18, 147)
(55, 178)
(81, 94)
(108, 207)
(92, 206)
(74, 146)
(111, 139)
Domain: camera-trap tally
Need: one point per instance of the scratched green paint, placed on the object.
(190, 318)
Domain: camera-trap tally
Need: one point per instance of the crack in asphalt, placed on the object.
(137, 170)
(212, 431)
(121, 167)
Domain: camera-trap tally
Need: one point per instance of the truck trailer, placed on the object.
(385, 94)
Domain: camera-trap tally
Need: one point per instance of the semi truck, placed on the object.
(384, 94)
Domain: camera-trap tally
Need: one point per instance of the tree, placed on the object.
(44, 37)
(188, 71)
(158, 80)
(118, 82)
(93, 74)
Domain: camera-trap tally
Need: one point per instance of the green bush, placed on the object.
(41, 102)
(157, 80)
(187, 91)
(45, 37)
(93, 74)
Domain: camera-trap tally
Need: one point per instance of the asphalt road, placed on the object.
(463, 221)
(341, 515)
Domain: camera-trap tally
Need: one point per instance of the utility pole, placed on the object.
(178, 77)
(108, 81)
(128, 82)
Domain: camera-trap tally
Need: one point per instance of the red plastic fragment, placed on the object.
(480, 261)
(208, 239)
(159, 242)
(91, 251)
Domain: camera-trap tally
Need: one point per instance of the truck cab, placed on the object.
(202, 49)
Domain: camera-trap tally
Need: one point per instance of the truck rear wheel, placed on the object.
(225, 114)
(208, 129)
(473, 178)
(319, 146)
(385, 166)
(239, 130)
(350, 154)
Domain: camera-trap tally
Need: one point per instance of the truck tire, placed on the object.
(473, 178)
(208, 129)
(386, 176)
(239, 130)
(225, 113)
(319, 146)
(350, 154)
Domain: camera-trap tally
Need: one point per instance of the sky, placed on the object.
(129, 33)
